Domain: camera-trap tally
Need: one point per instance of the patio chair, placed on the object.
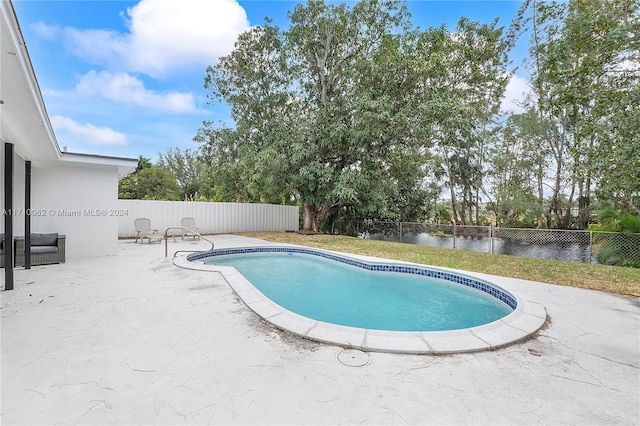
(190, 224)
(144, 230)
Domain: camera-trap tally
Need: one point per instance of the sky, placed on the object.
(126, 78)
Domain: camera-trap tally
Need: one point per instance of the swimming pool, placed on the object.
(336, 292)
(518, 321)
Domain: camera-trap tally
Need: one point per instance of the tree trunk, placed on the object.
(313, 217)
(461, 210)
(477, 207)
(567, 215)
(454, 201)
(542, 219)
(470, 207)
(454, 207)
(322, 215)
(584, 199)
(554, 205)
(308, 217)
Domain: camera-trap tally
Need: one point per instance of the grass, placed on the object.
(612, 279)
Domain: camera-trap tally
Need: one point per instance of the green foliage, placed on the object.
(341, 111)
(295, 97)
(462, 76)
(352, 114)
(517, 174)
(513, 208)
(155, 183)
(149, 182)
(617, 159)
(442, 215)
(614, 220)
(622, 248)
(587, 78)
(126, 188)
(188, 170)
(143, 163)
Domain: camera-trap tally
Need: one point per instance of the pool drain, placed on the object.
(353, 358)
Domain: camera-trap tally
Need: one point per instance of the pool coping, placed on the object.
(527, 318)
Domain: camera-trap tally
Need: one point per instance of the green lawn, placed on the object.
(611, 279)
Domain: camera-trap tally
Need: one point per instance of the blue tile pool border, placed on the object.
(474, 283)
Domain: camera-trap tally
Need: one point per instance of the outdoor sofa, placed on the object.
(1, 250)
(45, 249)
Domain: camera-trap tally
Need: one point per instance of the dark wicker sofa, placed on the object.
(45, 249)
(1, 250)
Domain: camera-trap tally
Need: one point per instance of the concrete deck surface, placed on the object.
(133, 339)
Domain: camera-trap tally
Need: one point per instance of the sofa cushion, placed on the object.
(44, 239)
(43, 249)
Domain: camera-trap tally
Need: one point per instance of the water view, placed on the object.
(569, 251)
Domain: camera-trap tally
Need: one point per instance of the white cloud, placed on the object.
(515, 94)
(47, 32)
(88, 132)
(164, 36)
(126, 89)
(103, 47)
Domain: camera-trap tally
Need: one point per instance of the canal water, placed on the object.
(569, 251)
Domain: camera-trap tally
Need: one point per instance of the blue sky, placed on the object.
(126, 78)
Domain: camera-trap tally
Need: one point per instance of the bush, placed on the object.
(623, 247)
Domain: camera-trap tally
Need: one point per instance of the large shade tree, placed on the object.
(310, 119)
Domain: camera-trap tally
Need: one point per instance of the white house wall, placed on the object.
(76, 200)
(211, 217)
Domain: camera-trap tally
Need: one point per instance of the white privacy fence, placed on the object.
(211, 218)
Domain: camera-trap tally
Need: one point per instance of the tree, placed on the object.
(300, 122)
(618, 244)
(227, 174)
(462, 78)
(188, 169)
(348, 109)
(149, 182)
(155, 183)
(250, 161)
(586, 75)
(517, 173)
(127, 186)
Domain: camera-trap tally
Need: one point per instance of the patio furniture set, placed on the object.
(144, 231)
(49, 248)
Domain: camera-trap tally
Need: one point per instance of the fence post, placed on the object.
(491, 239)
(400, 226)
(590, 246)
(454, 235)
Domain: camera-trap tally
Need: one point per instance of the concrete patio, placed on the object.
(133, 339)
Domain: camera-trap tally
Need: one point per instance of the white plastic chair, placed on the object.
(190, 224)
(144, 230)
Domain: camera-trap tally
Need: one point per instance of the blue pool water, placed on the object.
(334, 292)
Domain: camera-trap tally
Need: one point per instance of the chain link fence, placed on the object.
(610, 248)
